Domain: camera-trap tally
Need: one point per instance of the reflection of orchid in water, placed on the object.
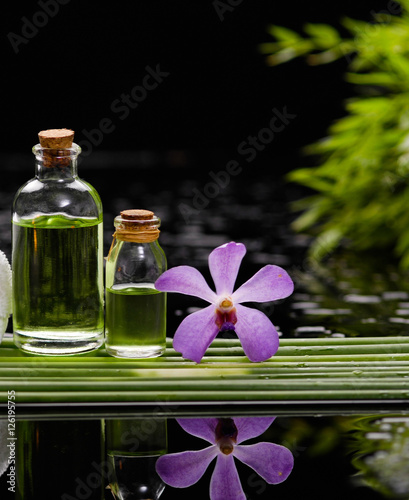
(272, 462)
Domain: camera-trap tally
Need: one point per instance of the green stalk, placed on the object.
(216, 385)
(210, 362)
(303, 369)
(161, 397)
(209, 373)
(284, 342)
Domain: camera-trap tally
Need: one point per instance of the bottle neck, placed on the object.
(136, 226)
(56, 164)
(147, 236)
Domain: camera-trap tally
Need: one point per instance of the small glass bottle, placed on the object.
(135, 318)
(57, 254)
(133, 448)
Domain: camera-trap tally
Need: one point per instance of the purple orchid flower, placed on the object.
(197, 331)
(272, 462)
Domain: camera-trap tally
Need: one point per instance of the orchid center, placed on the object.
(225, 305)
(226, 435)
(226, 446)
(225, 314)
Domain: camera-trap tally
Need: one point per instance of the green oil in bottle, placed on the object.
(58, 284)
(135, 321)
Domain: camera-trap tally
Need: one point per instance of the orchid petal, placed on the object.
(225, 483)
(196, 332)
(204, 428)
(183, 469)
(269, 283)
(250, 427)
(257, 334)
(186, 280)
(224, 264)
(272, 462)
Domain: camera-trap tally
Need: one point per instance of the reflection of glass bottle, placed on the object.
(57, 254)
(135, 310)
(60, 459)
(133, 447)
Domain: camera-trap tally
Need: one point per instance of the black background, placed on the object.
(219, 91)
(85, 56)
(69, 67)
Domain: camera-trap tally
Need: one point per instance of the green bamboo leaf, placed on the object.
(312, 213)
(375, 78)
(324, 35)
(308, 219)
(351, 123)
(309, 177)
(382, 105)
(284, 34)
(400, 64)
(325, 57)
(326, 243)
(355, 27)
(405, 8)
(302, 204)
(281, 56)
(404, 261)
(403, 243)
(269, 47)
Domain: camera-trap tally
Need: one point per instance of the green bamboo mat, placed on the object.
(302, 371)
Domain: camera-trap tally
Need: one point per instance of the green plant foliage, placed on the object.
(361, 181)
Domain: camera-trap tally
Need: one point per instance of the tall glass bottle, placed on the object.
(60, 459)
(57, 254)
(135, 318)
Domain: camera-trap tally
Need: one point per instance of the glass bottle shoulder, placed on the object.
(134, 263)
(73, 198)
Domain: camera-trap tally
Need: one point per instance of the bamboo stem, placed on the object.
(179, 386)
(209, 373)
(303, 369)
(163, 397)
(207, 360)
(284, 342)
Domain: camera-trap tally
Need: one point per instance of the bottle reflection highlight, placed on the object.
(133, 448)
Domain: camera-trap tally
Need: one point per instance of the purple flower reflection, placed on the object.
(197, 331)
(271, 461)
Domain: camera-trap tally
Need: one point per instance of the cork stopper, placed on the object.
(137, 225)
(137, 214)
(56, 138)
